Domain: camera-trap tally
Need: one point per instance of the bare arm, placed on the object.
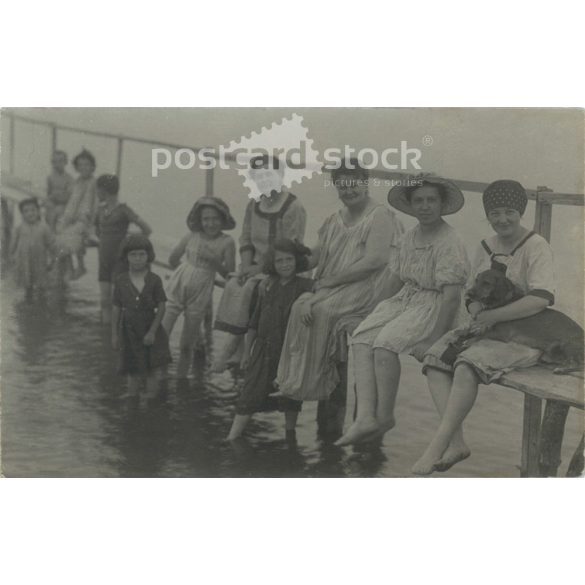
(160, 313)
(524, 307)
(178, 252)
(144, 227)
(249, 339)
(229, 260)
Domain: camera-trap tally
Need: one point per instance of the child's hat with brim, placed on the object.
(194, 217)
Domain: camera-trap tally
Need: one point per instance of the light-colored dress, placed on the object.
(308, 366)
(190, 287)
(531, 268)
(77, 219)
(30, 249)
(402, 321)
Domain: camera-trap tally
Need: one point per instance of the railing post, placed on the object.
(119, 159)
(209, 182)
(543, 215)
(53, 138)
(11, 147)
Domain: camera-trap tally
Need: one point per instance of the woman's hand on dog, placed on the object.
(482, 322)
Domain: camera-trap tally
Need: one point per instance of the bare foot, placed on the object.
(427, 464)
(452, 455)
(358, 431)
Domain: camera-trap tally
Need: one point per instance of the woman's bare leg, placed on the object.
(365, 423)
(460, 402)
(440, 384)
(106, 302)
(387, 370)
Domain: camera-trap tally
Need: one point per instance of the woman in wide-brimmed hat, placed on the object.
(526, 259)
(424, 299)
(207, 251)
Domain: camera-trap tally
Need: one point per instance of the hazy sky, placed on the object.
(534, 146)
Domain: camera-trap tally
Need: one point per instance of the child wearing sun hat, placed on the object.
(200, 254)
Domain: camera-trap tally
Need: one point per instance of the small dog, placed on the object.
(558, 337)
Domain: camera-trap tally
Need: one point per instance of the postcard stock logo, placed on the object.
(281, 155)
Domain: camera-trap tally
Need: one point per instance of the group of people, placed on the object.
(289, 314)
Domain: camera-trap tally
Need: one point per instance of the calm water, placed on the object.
(64, 413)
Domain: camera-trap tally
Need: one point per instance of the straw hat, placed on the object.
(453, 202)
(194, 217)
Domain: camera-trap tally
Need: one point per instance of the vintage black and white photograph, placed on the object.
(302, 293)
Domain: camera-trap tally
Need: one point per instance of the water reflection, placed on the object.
(65, 413)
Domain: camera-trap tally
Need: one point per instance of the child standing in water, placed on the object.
(32, 242)
(265, 336)
(138, 309)
(207, 251)
(59, 189)
(74, 225)
(112, 221)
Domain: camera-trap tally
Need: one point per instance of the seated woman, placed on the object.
(355, 245)
(527, 260)
(424, 302)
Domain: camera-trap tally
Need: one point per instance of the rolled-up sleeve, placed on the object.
(540, 272)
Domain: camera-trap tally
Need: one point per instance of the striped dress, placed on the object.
(308, 364)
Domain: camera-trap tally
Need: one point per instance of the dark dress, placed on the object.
(269, 319)
(111, 228)
(138, 310)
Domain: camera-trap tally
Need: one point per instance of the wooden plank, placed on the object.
(540, 382)
(209, 182)
(530, 436)
(119, 156)
(563, 198)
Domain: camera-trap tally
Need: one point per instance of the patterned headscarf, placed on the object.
(505, 193)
